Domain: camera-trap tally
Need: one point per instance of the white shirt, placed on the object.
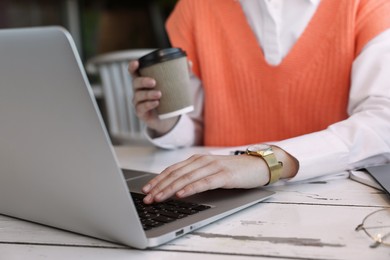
(361, 140)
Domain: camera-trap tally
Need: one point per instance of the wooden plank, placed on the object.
(17, 252)
(289, 231)
(333, 192)
(267, 229)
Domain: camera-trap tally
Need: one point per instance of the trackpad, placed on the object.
(137, 179)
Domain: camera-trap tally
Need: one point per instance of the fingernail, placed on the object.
(147, 188)
(151, 82)
(158, 94)
(148, 198)
(180, 193)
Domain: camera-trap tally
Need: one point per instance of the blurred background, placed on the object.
(97, 26)
(107, 33)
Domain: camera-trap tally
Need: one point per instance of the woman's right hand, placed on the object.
(146, 99)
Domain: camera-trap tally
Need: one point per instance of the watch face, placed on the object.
(258, 147)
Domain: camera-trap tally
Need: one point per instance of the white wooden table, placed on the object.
(302, 221)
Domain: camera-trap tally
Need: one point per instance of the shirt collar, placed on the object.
(311, 1)
(314, 1)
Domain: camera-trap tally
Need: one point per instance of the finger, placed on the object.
(146, 95)
(145, 101)
(153, 186)
(143, 110)
(177, 184)
(140, 83)
(165, 173)
(171, 183)
(211, 182)
(176, 171)
(133, 67)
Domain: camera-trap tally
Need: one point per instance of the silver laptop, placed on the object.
(57, 164)
(381, 174)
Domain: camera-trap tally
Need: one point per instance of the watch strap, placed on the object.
(274, 166)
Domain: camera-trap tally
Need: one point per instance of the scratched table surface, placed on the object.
(312, 220)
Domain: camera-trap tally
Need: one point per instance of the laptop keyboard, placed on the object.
(158, 214)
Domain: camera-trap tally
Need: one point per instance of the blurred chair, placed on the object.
(117, 92)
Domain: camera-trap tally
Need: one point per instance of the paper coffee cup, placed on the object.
(169, 68)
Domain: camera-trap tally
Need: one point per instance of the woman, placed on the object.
(308, 77)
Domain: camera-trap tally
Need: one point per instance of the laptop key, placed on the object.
(173, 214)
(201, 207)
(187, 211)
(163, 219)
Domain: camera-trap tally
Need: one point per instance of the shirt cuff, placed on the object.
(319, 154)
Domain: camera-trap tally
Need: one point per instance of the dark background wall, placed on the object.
(98, 26)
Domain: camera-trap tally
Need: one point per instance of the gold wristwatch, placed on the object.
(265, 152)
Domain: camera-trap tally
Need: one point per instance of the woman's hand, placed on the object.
(146, 99)
(206, 172)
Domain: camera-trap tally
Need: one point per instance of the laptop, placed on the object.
(375, 176)
(57, 164)
(381, 174)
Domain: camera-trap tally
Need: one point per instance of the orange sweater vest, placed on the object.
(247, 100)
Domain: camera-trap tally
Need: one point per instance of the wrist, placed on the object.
(267, 154)
(163, 127)
(290, 163)
(279, 163)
